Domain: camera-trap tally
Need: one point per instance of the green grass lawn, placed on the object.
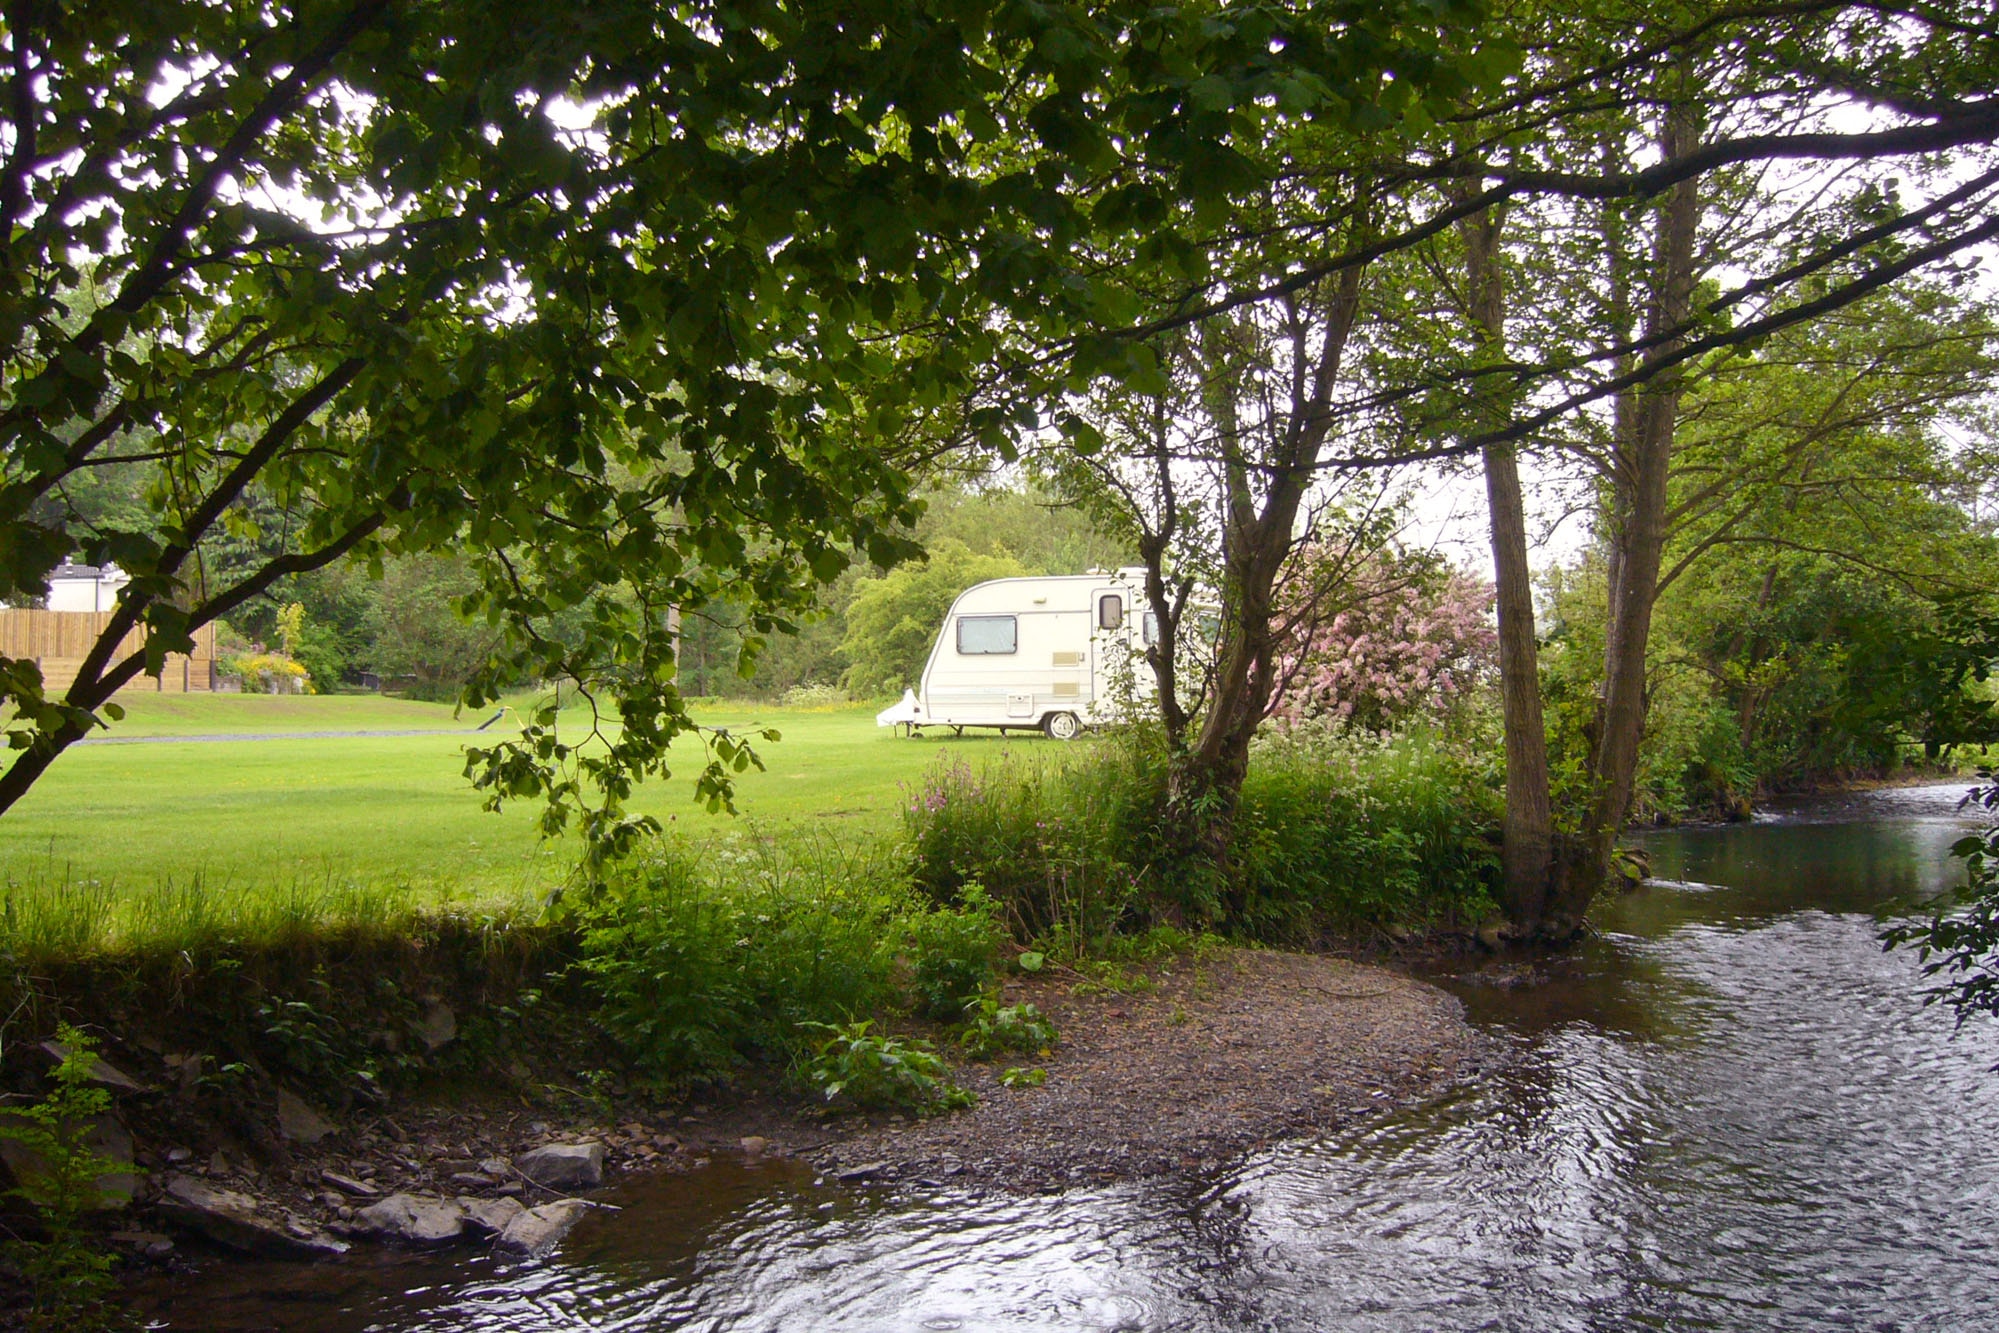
(230, 714)
(250, 815)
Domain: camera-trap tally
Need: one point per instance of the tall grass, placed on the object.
(1348, 831)
(59, 920)
(1059, 846)
(1333, 832)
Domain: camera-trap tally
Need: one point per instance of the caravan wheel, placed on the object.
(1062, 726)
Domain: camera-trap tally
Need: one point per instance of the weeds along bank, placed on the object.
(693, 961)
(1337, 834)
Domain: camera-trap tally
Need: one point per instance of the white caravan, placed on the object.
(1032, 653)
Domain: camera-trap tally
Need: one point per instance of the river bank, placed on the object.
(1170, 1066)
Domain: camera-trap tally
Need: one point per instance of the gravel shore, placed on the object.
(1206, 1059)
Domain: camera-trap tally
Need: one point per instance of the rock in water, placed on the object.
(416, 1219)
(564, 1166)
(233, 1219)
(298, 1122)
(538, 1230)
(491, 1216)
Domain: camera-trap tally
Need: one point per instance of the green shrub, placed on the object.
(953, 953)
(1055, 845)
(1347, 831)
(1335, 830)
(855, 1066)
(68, 1276)
(991, 1027)
(696, 968)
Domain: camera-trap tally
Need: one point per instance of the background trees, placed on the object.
(892, 621)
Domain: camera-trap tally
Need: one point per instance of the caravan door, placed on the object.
(1111, 660)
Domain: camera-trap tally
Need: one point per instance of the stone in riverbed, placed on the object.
(490, 1216)
(860, 1175)
(360, 1189)
(564, 1166)
(536, 1231)
(416, 1219)
(150, 1244)
(234, 1220)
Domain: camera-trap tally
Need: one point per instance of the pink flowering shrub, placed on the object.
(1401, 637)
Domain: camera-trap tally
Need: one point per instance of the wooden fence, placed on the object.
(58, 641)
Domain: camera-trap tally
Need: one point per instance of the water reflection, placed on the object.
(1728, 1112)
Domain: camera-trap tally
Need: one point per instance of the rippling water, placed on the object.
(1729, 1112)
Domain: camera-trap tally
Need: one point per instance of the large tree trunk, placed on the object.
(1548, 879)
(1643, 457)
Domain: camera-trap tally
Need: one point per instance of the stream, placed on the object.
(1729, 1111)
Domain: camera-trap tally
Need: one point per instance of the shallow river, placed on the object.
(1729, 1112)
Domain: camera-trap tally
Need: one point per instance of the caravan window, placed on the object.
(1110, 611)
(1149, 628)
(979, 635)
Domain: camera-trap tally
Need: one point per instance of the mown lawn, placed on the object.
(269, 808)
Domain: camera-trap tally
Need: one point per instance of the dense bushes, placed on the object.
(1059, 847)
(1335, 831)
(1347, 831)
(697, 966)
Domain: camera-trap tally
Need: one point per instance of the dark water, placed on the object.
(1729, 1112)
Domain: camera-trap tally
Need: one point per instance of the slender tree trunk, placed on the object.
(1264, 493)
(1527, 851)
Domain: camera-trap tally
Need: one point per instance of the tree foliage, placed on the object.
(634, 307)
(893, 620)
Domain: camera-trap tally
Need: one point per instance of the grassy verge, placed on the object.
(120, 843)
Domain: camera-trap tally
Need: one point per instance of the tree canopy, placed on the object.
(628, 304)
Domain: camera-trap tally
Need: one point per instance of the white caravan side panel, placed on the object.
(1013, 651)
